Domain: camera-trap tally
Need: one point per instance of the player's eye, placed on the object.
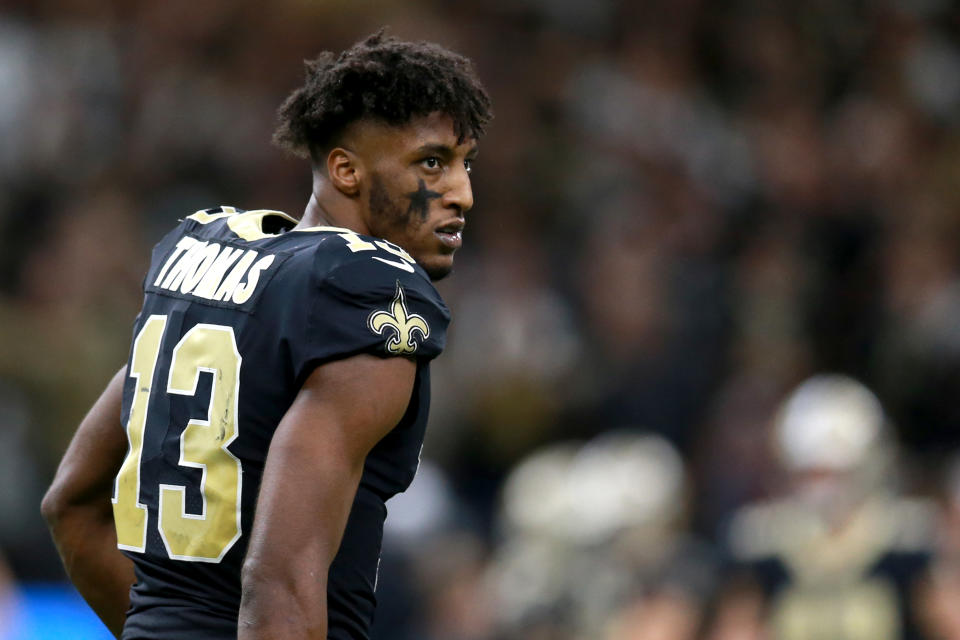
(468, 165)
(432, 162)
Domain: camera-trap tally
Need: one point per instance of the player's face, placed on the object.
(418, 188)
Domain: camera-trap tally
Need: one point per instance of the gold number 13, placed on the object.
(204, 537)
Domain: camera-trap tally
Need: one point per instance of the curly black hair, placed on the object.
(385, 78)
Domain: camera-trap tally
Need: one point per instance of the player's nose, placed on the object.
(460, 193)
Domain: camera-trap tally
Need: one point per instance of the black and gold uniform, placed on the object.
(238, 310)
(856, 580)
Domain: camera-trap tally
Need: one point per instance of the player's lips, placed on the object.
(451, 234)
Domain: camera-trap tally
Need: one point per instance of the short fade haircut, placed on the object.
(384, 78)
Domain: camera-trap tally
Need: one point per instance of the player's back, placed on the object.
(238, 311)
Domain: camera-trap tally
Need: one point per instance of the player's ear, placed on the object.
(343, 167)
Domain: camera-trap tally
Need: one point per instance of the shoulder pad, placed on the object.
(369, 300)
(912, 523)
(206, 216)
(402, 307)
(764, 529)
(244, 225)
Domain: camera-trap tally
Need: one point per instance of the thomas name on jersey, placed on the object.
(214, 272)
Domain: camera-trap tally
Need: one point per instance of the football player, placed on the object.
(842, 555)
(230, 481)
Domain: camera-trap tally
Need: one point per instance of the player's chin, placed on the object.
(437, 267)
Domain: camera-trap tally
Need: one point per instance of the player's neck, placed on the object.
(320, 213)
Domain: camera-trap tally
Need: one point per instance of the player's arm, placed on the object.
(78, 509)
(311, 476)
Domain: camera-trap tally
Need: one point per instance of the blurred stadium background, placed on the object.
(685, 208)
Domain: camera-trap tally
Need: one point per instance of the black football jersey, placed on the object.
(238, 311)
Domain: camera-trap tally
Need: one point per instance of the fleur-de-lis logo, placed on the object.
(404, 325)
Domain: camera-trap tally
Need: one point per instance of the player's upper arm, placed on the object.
(312, 471)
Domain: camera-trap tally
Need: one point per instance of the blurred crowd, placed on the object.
(685, 209)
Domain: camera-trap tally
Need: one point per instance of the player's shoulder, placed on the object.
(353, 264)
(225, 225)
(335, 251)
(910, 523)
(763, 528)
(369, 295)
(773, 528)
(226, 256)
(222, 256)
(228, 223)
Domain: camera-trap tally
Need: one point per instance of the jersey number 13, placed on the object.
(204, 537)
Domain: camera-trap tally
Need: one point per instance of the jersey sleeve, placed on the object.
(365, 306)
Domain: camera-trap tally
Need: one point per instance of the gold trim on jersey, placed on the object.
(323, 228)
(206, 218)
(249, 225)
